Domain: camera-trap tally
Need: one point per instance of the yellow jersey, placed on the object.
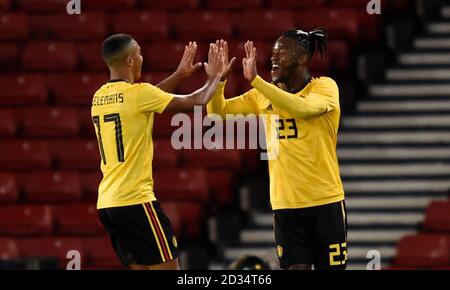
(122, 114)
(305, 172)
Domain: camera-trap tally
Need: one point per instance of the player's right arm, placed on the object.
(242, 104)
(201, 97)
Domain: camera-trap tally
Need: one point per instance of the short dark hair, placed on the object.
(310, 41)
(114, 46)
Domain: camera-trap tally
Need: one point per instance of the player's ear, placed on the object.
(303, 59)
(129, 61)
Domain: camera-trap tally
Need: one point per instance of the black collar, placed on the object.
(117, 80)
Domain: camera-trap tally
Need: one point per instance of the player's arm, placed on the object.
(201, 96)
(319, 101)
(185, 69)
(238, 105)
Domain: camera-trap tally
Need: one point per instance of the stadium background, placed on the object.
(393, 71)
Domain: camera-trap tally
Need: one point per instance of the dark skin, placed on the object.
(292, 61)
(289, 68)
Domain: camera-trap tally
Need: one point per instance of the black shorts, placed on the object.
(315, 236)
(140, 234)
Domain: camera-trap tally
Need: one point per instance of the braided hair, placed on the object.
(310, 41)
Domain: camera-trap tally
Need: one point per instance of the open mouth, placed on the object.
(275, 67)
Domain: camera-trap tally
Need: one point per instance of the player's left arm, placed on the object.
(322, 98)
(185, 69)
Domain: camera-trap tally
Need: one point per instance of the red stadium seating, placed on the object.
(100, 254)
(9, 192)
(87, 127)
(191, 84)
(296, 4)
(162, 127)
(108, 5)
(89, 184)
(90, 56)
(13, 26)
(8, 126)
(270, 24)
(24, 155)
(186, 218)
(171, 4)
(145, 25)
(77, 154)
(86, 83)
(21, 89)
(51, 247)
(233, 86)
(422, 250)
(437, 217)
(25, 220)
(77, 219)
(340, 23)
(221, 184)
(8, 249)
(164, 156)
(168, 61)
(9, 55)
(339, 55)
(201, 25)
(42, 5)
(50, 56)
(153, 78)
(49, 122)
(181, 184)
(232, 4)
(87, 26)
(5, 4)
(52, 186)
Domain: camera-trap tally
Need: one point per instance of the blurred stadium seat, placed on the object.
(146, 25)
(9, 191)
(24, 155)
(87, 26)
(201, 25)
(77, 219)
(181, 184)
(49, 121)
(422, 250)
(437, 217)
(8, 249)
(76, 154)
(49, 56)
(52, 186)
(100, 254)
(271, 23)
(26, 220)
(14, 26)
(171, 4)
(8, 125)
(22, 89)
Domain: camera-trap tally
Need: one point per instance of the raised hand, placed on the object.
(227, 64)
(249, 62)
(186, 67)
(214, 66)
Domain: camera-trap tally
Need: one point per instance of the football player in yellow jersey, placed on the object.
(122, 113)
(306, 192)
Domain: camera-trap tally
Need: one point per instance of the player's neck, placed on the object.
(119, 74)
(297, 82)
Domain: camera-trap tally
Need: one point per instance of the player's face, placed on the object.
(137, 60)
(284, 59)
